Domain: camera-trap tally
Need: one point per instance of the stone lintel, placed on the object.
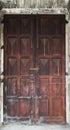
(34, 11)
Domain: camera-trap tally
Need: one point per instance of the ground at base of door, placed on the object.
(21, 126)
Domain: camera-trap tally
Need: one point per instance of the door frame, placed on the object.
(2, 62)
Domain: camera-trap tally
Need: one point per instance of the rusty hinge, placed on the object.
(2, 47)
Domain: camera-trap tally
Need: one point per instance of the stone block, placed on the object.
(34, 3)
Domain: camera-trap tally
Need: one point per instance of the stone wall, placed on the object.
(0, 73)
(43, 4)
(68, 81)
(1, 70)
(34, 3)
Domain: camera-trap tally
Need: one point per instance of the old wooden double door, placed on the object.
(34, 68)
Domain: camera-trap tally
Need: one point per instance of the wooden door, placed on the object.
(51, 64)
(34, 68)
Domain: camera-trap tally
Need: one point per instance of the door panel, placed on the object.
(24, 108)
(11, 86)
(44, 67)
(25, 45)
(12, 107)
(12, 46)
(44, 46)
(51, 64)
(12, 23)
(24, 84)
(44, 107)
(12, 66)
(18, 60)
(34, 67)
